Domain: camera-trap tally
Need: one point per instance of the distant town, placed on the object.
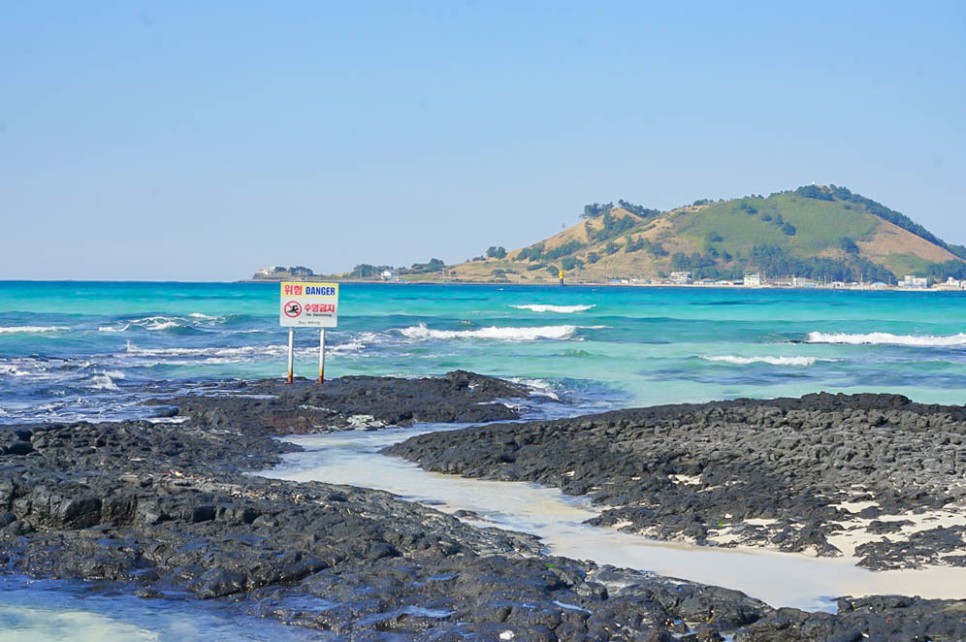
(909, 282)
(675, 279)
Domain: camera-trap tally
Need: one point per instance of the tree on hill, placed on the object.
(640, 210)
(848, 245)
(655, 248)
(777, 262)
(593, 210)
(949, 269)
(563, 250)
(633, 244)
(367, 271)
(611, 227)
(568, 263)
(496, 252)
(434, 265)
(532, 253)
(816, 192)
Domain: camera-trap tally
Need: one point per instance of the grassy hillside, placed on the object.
(815, 226)
(824, 233)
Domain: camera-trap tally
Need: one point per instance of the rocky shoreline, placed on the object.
(170, 509)
(797, 475)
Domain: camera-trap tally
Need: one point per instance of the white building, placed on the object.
(680, 278)
(915, 282)
(269, 271)
(952, 284)
(752, 280)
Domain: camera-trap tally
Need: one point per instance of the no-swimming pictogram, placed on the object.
(308, 305)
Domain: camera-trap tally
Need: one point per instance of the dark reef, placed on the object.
(171, 509)
(692, 471)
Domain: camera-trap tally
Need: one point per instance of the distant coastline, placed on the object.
(954, 286)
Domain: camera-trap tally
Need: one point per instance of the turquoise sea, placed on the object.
(76, 350)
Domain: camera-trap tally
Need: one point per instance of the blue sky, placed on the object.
(202, 140)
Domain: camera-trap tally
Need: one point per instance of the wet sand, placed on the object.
(780, 579)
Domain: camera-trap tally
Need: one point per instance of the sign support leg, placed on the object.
(291, 354)
(321, 355)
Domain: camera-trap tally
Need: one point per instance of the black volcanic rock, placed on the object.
(357, 402)
(698, 470)
(170, 509)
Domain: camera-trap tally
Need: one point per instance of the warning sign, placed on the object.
(309, 305)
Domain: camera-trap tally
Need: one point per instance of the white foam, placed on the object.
(49, 625)
(243, 351)
(179, 419)
(774, 361)
(102, 382)
(562, 309)
(32, 329)
(157, 323)
(149, 357)
(347, 348)
(539, 387)
(108, 328)
(12, 370)
(886, 338)
(560, 332)
(163, 325)
(358, 343)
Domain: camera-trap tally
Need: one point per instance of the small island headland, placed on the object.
(172, 507)
(815, 236)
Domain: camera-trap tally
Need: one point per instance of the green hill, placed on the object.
(823, 233)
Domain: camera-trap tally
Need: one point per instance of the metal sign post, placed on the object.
(291, 354)
(321, 355)
(308, 305)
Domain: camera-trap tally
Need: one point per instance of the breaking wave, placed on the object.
(244, 351)
(562, 309)
(357, 344)
(108, 328)
(104, 381)
(773, 361)
(161, 322)
(32, 329)
(886, 338)
(559, 332)
(12, 370)
(538, 387)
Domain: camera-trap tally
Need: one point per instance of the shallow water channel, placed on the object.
(72, 611)
(780, 579)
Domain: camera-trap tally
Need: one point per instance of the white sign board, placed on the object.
(309, 305)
